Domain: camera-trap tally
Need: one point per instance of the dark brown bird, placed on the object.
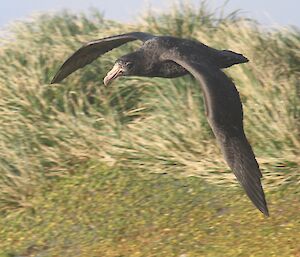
(170, 57)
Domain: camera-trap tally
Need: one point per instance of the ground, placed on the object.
(99, 211)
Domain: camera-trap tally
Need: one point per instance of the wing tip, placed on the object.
(261, 204)
(256, 194)
(56, 79)
(265, 211)
(53, 81)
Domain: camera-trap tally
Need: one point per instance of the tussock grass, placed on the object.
(156, 125)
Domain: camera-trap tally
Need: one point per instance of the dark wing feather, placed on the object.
(92, 50)
(225, 116)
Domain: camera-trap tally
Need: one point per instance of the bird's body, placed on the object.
(152, 66)
(171, 57)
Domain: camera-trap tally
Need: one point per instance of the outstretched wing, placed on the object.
(225, 116)
(92, 50)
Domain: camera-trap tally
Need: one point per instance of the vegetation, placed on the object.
(102, 212)
(51, 136)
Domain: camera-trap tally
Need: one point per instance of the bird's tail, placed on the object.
(229, 58)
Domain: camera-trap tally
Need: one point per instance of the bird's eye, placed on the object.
(129, 64)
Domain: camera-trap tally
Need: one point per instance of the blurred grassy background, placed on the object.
(51, 136)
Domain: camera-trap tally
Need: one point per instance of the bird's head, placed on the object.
(128, 65)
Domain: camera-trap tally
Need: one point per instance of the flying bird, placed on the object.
(170, 57)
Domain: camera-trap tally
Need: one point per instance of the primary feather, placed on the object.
(225, 116)
(164, 56)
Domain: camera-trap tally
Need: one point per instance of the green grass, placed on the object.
(102, 212)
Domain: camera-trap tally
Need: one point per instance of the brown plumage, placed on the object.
(169, 57)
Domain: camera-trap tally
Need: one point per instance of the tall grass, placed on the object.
(156, 125)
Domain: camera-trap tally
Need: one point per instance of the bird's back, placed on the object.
(195, 50)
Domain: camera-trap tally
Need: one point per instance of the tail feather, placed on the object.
(230, 58)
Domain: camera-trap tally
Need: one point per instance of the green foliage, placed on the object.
(156, 125)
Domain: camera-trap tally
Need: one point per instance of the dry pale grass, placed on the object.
(156, 125)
